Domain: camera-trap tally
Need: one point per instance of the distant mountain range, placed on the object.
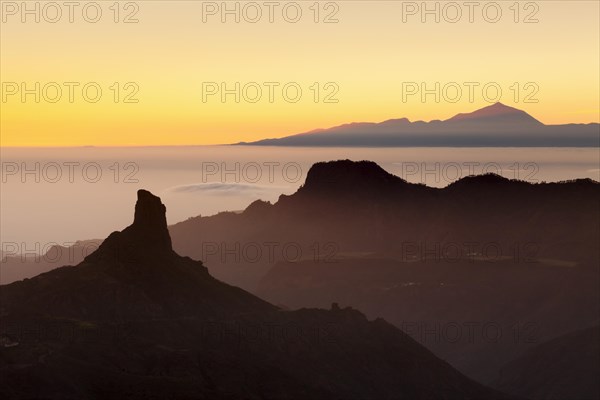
(135, 320)
(497, 125)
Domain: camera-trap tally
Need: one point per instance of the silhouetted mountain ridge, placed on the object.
(360, 206)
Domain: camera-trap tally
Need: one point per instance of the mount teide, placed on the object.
(135, 320)
(496, 125)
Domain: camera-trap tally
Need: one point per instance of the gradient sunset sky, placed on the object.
(368, 54)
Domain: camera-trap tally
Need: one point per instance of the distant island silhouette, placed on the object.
(496, 125)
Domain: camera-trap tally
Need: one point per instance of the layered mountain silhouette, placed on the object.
(496, 125)
(136, 320)
(476, 314)
(484, 250)
(15, 266)
(566, 367)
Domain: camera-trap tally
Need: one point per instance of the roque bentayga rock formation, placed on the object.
(135, 320)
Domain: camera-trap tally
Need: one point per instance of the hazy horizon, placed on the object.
(172, 173)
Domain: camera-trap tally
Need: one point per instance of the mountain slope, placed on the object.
(564, 368)
(136, 320)
(475, 313)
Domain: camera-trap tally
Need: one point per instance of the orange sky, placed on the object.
(359, 64)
